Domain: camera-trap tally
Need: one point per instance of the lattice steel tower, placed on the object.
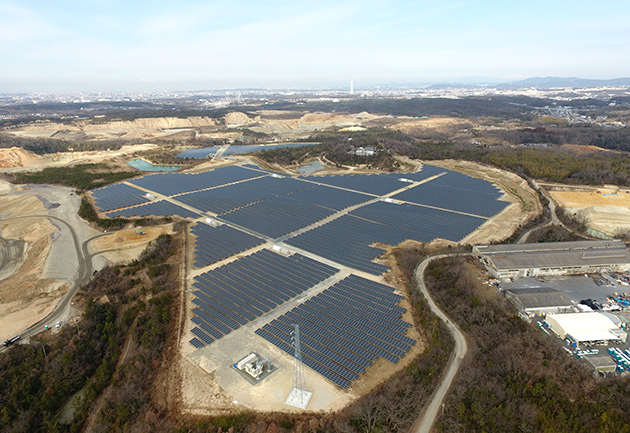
(298, 371)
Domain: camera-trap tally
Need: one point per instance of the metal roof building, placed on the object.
(539, 301)
(585, 327)
(553, 258)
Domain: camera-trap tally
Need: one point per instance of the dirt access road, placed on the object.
(430, 412)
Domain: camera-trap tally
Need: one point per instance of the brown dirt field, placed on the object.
(18, 157)
(583, 149)
(129, 238)
(594, 198)
(413, 126)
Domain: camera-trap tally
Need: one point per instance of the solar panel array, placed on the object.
(199, 153)
(177, 183)
(213, 244)
(277, 216)
(377, 184)
(345, 329)
(231, 197)
(456, 191)
(234, 294)
(332, 198)
(346, 240)
(117, 196)
(158, 208)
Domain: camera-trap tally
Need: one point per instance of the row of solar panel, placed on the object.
(213, 244)
(117, 196)
(158, 208)
(236, 150)
(339, 334)
(343, 241)
(238, 292)
(420, 223)
(277, 216)
(231, 197)
(335, 378)
(346, 239)
(177, 183)
(461, 196)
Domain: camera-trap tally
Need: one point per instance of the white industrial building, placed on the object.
(585, 328)
(553, 258)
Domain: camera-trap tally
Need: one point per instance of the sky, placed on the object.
(137, 45)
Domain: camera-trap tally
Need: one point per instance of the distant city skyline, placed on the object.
(163, 45)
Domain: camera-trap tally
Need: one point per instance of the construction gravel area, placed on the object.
(39, 259)
(605, 209)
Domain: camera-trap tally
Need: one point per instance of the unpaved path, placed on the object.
(430, 412)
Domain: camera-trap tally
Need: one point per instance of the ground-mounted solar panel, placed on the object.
(177, 183)
(339, 339)
(331, 198)
(231, 295)
(277, 216)
(199, 153)
(420, 223)
(213, 244)
(158, 208)
(367, 183)
(117, 196)
(458, 192)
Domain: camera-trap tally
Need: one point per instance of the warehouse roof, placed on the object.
(540, 297)
(583, 326)
(551, 246)
(556, 254)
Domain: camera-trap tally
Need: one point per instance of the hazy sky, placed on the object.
(149, 45)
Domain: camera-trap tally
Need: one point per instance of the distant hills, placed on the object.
(540, 83)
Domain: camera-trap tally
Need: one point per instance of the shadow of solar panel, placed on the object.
(158, 208)
(116, 196)
(213, 244)
(339, 337)
(238, 292)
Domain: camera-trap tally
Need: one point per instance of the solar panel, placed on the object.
(234, 294)
(158, 208)
(213, 244)
(339, 340)
(117, 196)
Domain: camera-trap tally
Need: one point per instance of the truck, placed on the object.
(11, 340)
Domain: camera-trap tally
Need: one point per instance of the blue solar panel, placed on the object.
(234, 294)
(117, 196)
(338, 339)
(177, 183)
(277, 216)
(213, 244)
(458, 192)
(158, 208)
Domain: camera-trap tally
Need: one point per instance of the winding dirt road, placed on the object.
(427, 417)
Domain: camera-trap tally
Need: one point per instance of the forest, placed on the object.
(516, 378)
(124, 307)
(80, 176)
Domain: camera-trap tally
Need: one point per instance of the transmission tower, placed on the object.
(298, 371)
(299, 396)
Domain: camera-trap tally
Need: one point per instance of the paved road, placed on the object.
(83, 275)
(430, 412)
